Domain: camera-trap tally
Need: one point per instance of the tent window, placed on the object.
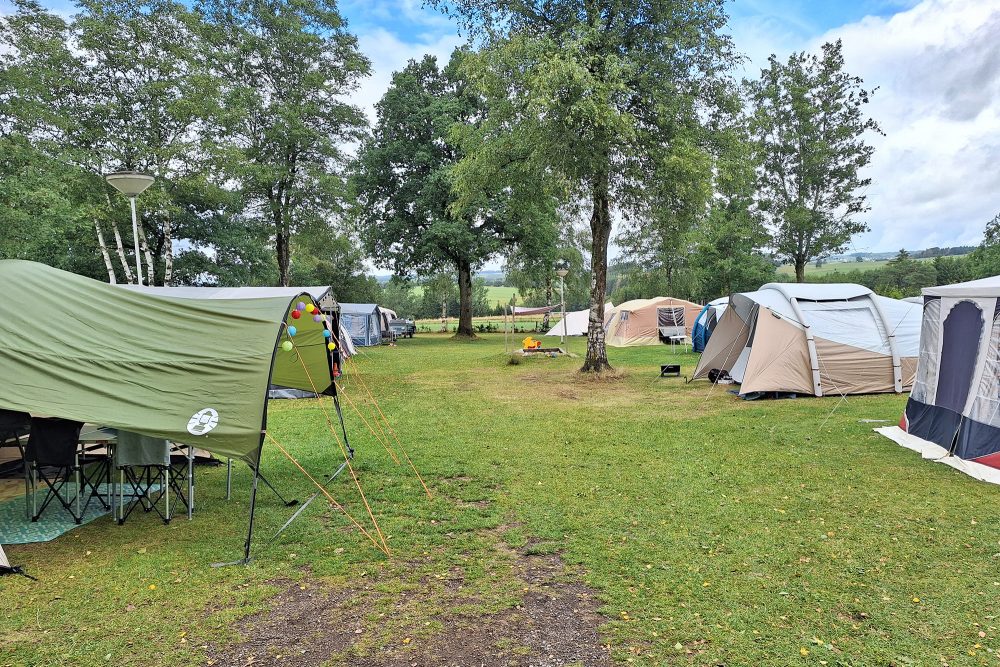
(962, 332)
(670, 317)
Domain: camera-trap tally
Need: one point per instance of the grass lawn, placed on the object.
(494, 293)
(711, 530)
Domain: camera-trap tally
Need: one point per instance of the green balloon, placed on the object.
(287, 346)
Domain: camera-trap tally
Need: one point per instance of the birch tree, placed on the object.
(284, 70)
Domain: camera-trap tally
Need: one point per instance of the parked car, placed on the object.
(403, 328)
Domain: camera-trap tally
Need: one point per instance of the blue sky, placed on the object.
(936, 64)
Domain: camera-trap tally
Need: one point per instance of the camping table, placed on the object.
(94, 438)
(675, 340)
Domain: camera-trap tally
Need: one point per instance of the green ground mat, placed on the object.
(16, 528)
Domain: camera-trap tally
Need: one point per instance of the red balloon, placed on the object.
(296, 314)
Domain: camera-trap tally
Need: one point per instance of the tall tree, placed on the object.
(409, 216)
(809, 126)
(730, 242)
(602, 94)
(322, 256)
(284, 70)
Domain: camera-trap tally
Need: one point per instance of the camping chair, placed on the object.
(12, 426)
(54, 443)
(143, 464)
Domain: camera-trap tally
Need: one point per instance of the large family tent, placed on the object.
(576, 322)
(642, 321)
(815, 339)
(953, 413)
(321, 294)
(363, 323)
(193, 371)
(706, 322)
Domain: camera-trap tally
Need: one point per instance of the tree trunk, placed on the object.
(800, 269)
(465, 300)
(144, 247)
(168, 250)
(119, 248)
(283, 250)
(548, 302)
(129, 278)
(104, 253)
(600, 228)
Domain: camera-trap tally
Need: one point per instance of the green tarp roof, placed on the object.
(190, 370)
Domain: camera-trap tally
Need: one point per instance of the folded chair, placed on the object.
(14, 425)
(145, 476)
(52, 455)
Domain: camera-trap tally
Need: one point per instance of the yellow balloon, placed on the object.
(331, 346)
(310, 308)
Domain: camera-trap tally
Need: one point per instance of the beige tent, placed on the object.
(815, 339)
(641, 321)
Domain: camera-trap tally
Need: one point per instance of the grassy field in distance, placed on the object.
(494, 293)
(842, 267)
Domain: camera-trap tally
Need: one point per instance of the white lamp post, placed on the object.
(561, 271)
(132, 184)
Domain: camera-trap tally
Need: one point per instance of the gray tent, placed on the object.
(363, 322)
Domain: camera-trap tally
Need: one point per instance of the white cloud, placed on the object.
(390, 54)
(937, 68)
(936, 64)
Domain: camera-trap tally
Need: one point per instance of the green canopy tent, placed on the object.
(191, 371)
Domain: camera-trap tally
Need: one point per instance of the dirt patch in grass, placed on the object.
(305, 625)
(555, 625)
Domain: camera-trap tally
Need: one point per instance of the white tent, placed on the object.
(815, 339)
(576, 322)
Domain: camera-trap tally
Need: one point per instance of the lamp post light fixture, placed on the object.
(561, 270)
(132, 184)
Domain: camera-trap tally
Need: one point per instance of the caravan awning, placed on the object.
(194, 371)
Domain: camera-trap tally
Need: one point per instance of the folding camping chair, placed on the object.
(13, 425)
(144, 468)
(54, 443)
